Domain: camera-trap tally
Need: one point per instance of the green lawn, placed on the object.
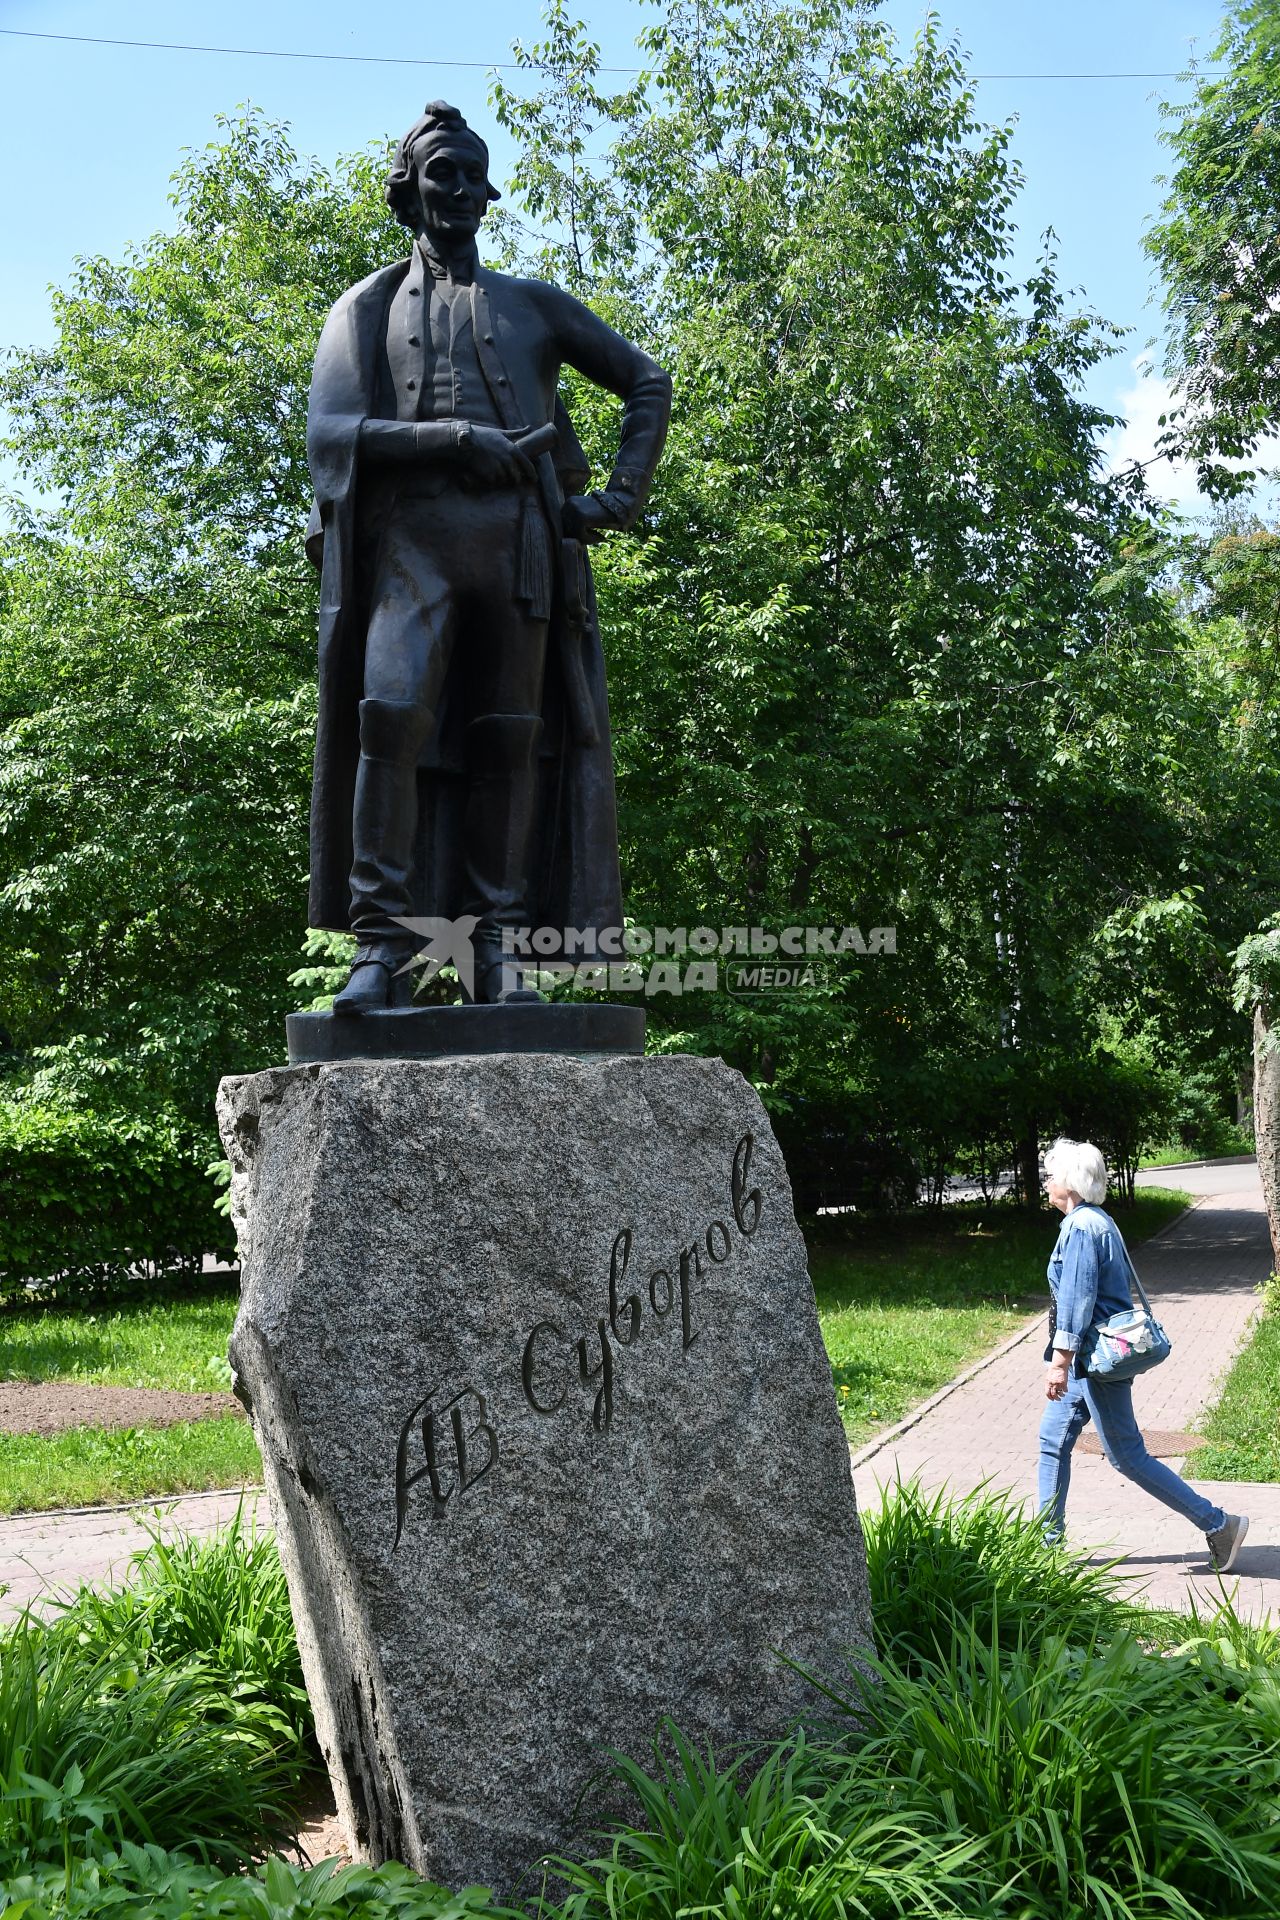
(93, 1466)
(169, 1343)
(906, 1303)
(177, 1343)
(1243, 1426)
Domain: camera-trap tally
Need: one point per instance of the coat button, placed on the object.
(415, 293)
(414, 340)
(502, 379)
(488, 339)
(411, 385)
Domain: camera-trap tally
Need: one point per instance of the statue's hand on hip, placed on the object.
(490, 459)
(589, 516)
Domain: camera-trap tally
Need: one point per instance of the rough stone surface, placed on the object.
(551, 1261)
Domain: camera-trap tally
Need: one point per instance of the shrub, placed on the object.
(780, 1838)
(95, 1204)
(221, 1601)
(146, 1883)
(89, 1741)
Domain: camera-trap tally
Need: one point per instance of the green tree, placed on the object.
(157, 636)
(893, 650)
(1257, 979)
(872, 662)
(1216, 246)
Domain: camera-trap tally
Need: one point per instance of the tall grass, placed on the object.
(780, 1838)
(940, 1564)
(169, 1712)
(1025, 1743)
(1098, 1779)
(220, 1600)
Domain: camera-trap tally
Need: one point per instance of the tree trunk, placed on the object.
(1244, 1095)
(1266, 1116)
(1029, 1167)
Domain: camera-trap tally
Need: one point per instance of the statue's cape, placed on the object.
(574, 860)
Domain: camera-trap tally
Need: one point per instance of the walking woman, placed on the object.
(1089, 1280)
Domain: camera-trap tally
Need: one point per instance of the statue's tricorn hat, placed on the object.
(437, 125)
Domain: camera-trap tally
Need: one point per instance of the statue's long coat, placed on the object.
(574, 865)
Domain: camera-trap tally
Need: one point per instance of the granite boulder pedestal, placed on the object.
(548, 1429)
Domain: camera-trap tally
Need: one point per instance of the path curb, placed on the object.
(148, 1504)
(1185, 1166)
(917, 1414)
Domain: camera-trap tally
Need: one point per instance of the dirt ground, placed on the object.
(47, 1407)
(319, 1834)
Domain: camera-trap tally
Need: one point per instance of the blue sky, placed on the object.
(90, 134)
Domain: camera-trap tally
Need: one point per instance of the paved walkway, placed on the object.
(42, 1554)
(1202, 1273)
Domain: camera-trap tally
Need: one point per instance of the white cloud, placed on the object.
(1135, 441)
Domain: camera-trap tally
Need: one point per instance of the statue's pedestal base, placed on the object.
(548, 1429)
(431, 1033)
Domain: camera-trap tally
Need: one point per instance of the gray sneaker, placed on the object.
(1226, 1543)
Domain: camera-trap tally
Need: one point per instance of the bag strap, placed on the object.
(1133, 1271)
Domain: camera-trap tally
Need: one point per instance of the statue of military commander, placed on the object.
(463, 763)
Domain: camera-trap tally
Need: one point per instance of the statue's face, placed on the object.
(454, 189)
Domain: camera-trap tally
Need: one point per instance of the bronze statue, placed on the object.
(463, 762)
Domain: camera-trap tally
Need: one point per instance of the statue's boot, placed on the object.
(502, 762)
(384, 824)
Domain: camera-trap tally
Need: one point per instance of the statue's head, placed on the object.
(439, 181)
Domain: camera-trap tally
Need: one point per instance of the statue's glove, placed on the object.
(489, 458)
(589, 516)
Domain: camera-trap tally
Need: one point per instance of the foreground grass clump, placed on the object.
(1023, 1743)
(940, 1566)
(153, 1742)
(140, 1883)
(169, 1713)
(1243, 1426)
(906, 1301)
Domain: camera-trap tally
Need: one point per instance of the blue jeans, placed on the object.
(1110, 1404)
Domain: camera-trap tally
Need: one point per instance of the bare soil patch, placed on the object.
(320, 1835)
(48, 1407)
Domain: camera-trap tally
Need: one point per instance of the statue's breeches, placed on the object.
(447, 606)
(450, 576)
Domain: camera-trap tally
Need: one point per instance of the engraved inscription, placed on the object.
(457, 1438)
(619, 1260)
(663, 1307)
(747, 1202)
(529, 1369)
(454, 1467)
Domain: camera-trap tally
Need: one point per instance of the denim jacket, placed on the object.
(1088, 1276)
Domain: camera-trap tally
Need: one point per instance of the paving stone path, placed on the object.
(42, 1554)
(1203, 1271)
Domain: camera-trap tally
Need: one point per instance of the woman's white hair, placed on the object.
(1078, 1165)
